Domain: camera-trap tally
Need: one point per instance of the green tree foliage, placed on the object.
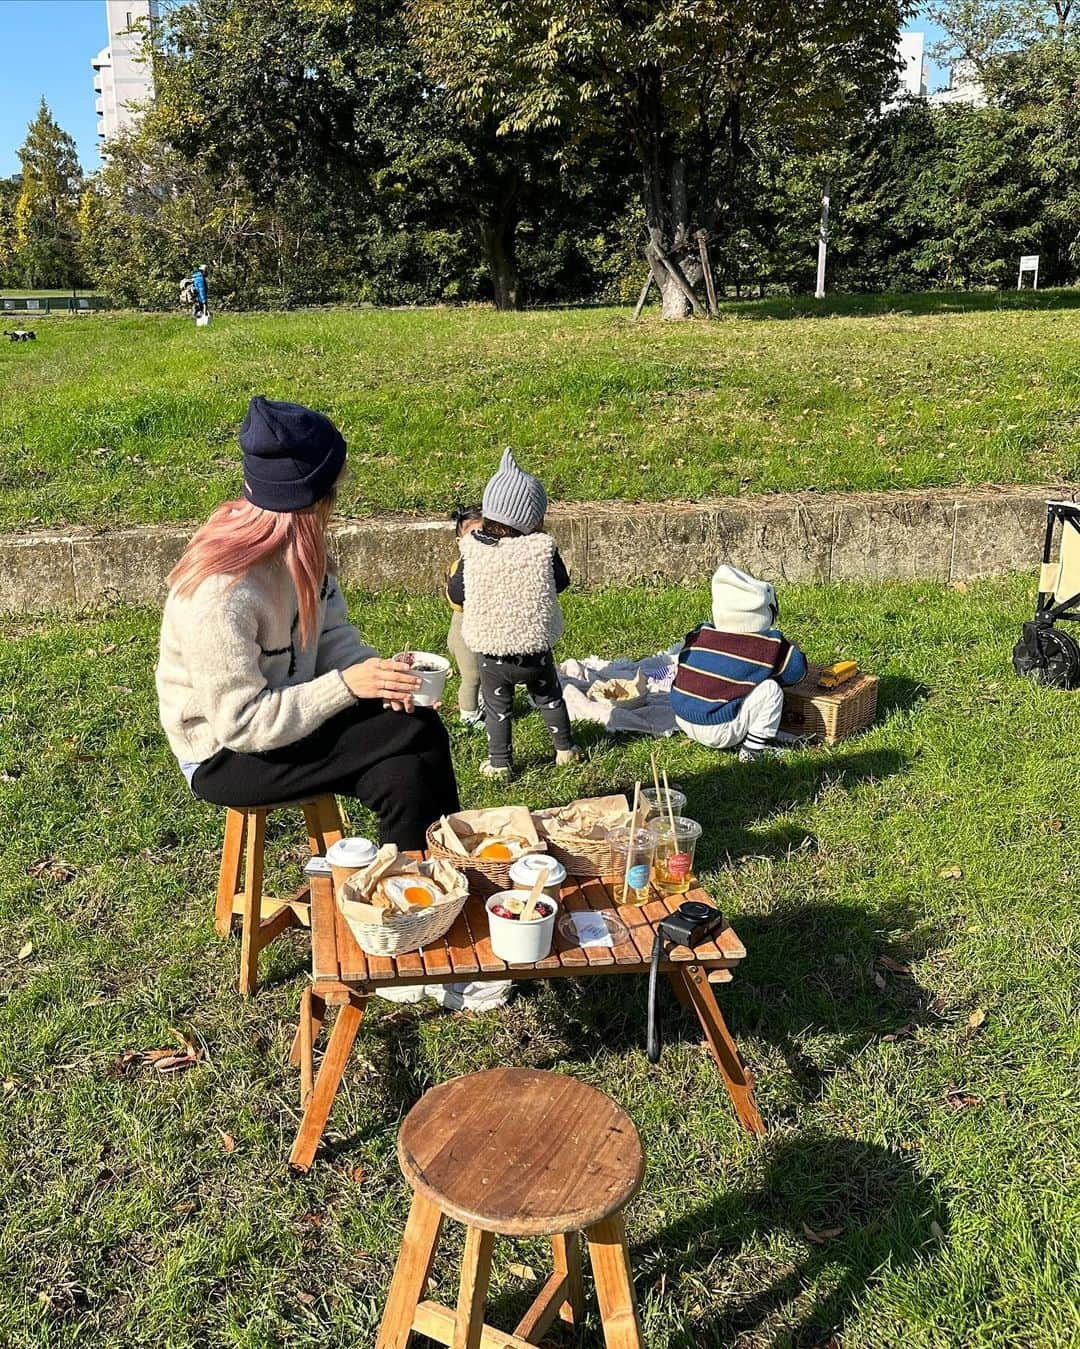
(679, 83)
(46, 230)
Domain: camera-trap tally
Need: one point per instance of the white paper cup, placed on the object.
(348, 856)
(432, 681)
(516, 942)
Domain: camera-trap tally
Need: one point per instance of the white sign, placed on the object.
(1029, 263)
(33, 304)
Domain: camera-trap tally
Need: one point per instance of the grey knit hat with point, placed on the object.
(513, 497)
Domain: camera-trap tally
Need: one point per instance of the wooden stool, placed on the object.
(516, 1152)
(264, 918)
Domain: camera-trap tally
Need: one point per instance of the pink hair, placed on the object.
(239, 536)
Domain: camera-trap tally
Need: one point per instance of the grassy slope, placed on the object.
(125, 417)
(128, 1223)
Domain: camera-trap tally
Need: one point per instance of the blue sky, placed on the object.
(47, 47)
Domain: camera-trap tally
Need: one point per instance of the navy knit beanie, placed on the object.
(292, 455)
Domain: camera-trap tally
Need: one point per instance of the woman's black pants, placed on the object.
(398, 763)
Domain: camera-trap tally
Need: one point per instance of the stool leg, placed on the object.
(411, 1273)
(475, 1272)
(314, 1010)
(313, 820)
(567, 1252)
(332, 828)
(253, 884)
(232, 858)
(614, 1283)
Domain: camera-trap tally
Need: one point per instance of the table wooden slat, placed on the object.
(460, 947)
(351, 960)
(641, 930)
(409, 966)
(436, 957)
(575, 901)
(600, 898)
(324, 956)
(571, 955)
(476, 918)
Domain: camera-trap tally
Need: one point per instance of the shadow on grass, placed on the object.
(868, 1207)
(920, 303)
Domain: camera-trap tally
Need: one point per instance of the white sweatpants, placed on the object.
(759, 717)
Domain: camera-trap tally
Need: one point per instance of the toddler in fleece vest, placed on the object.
(508, 587)
(727, 692)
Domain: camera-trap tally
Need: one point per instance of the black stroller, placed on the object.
(1045, 653)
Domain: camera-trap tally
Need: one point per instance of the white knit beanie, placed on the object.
(740, 603)
(513, 497)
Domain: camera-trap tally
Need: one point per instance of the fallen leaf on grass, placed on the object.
(976, 1019)
(306, 1298)
(896, 966)
(26, 950)
(935, 1230)
(178, 1060)
(820, 1238)
(904, 1032)
(959, 1099)
(950, 873)
(53, 868)
(879, 979)
(228, 1142)
(524, 1272)
(358, 1175)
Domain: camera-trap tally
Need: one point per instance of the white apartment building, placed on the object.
(121, 78)
(964, 85)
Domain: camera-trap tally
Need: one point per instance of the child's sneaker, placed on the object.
(571, 755)
(751, 751)
(490, 770)
(473, 720)
(472, 997)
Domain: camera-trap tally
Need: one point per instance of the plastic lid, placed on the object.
(351, 852)
(525, 869)
(684, 828)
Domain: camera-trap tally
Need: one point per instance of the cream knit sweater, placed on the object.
(231, 672)
(511, 604)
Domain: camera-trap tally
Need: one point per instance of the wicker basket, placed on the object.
(484, 877)
(401, 932)
(829, 715)
(580, 856)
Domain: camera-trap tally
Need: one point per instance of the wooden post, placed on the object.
(706, 267)
(644, 295)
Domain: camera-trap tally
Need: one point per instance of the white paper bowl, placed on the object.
(516, 942)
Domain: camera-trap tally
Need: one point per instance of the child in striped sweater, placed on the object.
(728, 689)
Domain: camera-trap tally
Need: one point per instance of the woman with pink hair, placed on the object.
(266, 691)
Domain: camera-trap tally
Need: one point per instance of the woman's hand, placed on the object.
(390, 680)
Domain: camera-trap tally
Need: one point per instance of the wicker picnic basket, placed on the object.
(829, 715)
(582, 854)
(392, 934)
(485, 877)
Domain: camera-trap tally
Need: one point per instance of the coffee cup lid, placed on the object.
(351, 852)
(524, 870)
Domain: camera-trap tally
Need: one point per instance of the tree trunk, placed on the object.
(667, 221)
(497, 243)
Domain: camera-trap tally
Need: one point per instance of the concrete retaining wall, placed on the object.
(938, 535)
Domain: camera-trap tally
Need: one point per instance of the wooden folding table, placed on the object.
(343, 977)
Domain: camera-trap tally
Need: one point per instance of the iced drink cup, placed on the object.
(631, 863)
(673, 865)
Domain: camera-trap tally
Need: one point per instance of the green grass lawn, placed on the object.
(908, 1003)
(120, 418)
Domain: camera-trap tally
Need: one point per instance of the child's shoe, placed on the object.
(751, 751)
(571, 755)
(490, 770)
(473, 719)
(473, 997)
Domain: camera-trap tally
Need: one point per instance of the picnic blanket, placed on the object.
(652, 717)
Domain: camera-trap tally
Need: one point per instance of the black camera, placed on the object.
(690, 924)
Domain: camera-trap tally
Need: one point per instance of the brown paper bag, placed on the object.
(464, 832)
(578, 834)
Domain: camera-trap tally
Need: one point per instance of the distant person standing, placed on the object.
(198, 283)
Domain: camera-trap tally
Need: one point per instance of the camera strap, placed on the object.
(654, 1042)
